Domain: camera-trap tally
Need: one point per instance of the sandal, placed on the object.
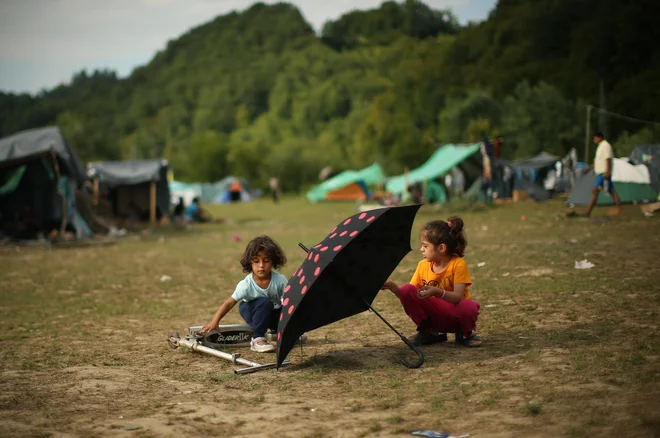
(472, 340)
(426, 338)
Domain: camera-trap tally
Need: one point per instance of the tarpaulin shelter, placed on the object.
(349, 185)
(530, 174)
(40, 172)
(650, 156)
(631, 182)
(136, 189)
(443, 160)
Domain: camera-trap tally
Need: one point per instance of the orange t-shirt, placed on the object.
(456, 272)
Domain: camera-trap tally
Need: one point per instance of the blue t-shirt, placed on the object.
(248, 290)
(191, 211)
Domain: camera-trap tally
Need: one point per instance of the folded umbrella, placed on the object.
(342, 275)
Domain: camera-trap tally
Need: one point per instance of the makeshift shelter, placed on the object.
(39, 175)
(632, 184)
(650, 156)
(349, 185)
(137, 190)
(443, 160)
(531, 175)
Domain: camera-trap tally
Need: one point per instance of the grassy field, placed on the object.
(566, 352)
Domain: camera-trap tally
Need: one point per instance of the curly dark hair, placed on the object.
(449, 232)
(263, 244)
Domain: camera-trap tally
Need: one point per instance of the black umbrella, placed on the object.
(342, 275)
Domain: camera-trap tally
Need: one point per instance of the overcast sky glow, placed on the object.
(44, 42)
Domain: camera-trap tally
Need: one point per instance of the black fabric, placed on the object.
(125, 173)
(349, 265)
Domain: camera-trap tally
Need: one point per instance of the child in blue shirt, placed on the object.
(259, 293)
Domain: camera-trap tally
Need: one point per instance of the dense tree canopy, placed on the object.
(257, 93)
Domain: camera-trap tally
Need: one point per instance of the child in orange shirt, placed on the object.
(437, 298)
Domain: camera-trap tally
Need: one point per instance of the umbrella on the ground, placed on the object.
(342, 275)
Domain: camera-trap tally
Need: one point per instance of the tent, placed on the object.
(209, 193)
(349, 185)
(39, 175)
(537, 175)
(229, 189)
(650, 156)
(441, 162)
(137, 189)
(632, 184)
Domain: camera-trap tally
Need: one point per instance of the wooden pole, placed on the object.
(152, 202)
(424, 197)
(96, 191)
(586, 136)
(56, 166)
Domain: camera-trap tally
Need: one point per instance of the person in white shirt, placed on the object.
(602, 166)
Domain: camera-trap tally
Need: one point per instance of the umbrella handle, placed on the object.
(413, 347)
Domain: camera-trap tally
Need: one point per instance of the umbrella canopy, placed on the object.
(342, 275)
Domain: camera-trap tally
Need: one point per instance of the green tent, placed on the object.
(348, 185)
(632, 184)
(442, 161)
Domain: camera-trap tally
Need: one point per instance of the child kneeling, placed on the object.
(437, 298)
(260, 292)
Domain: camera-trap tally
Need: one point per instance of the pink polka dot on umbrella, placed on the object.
(290, 311)
(316, 258)
(343, 233)
(309, 257)
(302, 279)
(362, 216)
(287, 288)
(317, 271)
(281, 316)
(316, 246)
(285, 302)
(371, 218)
(347, 221)
(279, 336)
(333, 235)
(299, 272)
(304, 289)
(336, 248)
(354, 233)
(325, 248)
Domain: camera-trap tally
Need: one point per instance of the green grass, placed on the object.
(566, 351)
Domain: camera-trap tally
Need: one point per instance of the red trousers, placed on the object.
(437, 314)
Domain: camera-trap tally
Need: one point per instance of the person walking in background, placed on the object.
(603, 166)
(274, 186)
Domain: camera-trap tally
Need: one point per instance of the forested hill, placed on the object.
(258, 93)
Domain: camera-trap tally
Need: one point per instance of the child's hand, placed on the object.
(428, 291)
(210, 327)
(389, 284)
